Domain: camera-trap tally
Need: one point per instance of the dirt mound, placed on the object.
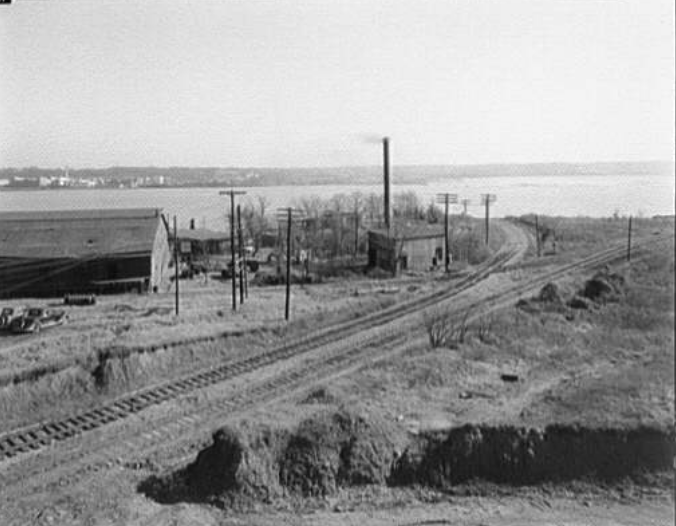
(336, 449)
(516, 455)
(239, 464)
(550, 294)
(250, 464)
(341, 449)
(604, 287)
(580, 303)
(549, 299)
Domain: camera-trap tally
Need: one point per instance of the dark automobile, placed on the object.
(7, 315)
(36, 319)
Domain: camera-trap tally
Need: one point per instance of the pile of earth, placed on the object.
(254, 463)
(521, 455)
(549, 299)
(251, 464)
(604, 287)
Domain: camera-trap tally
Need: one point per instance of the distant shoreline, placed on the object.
(371, 181)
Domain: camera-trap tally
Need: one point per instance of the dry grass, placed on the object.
(128, 341)
(613, 365)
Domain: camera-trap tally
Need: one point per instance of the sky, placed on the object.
(284, 83)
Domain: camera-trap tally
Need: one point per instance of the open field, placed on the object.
(608, 367)
(146, 343)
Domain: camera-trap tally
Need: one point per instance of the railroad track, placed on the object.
(39, 436)
(349, 353)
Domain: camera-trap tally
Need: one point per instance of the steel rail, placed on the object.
(41, 435)
(347, 356)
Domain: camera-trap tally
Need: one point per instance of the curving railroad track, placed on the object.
(347, 345)
(41, 435)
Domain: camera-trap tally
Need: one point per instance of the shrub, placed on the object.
(444, 329)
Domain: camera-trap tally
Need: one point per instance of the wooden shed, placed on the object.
(203, 242)
(58, 252)
(418, 247)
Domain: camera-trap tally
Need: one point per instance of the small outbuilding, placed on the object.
(418, 248)
(83, 251)
(198, 242)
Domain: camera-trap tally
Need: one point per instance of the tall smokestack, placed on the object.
(386, 181)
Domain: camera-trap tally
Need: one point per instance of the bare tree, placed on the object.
(254, 220)
(407, 205)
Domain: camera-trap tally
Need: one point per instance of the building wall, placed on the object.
(44, 277)
(55, 277)
(159, 261)
(420, 253)
(394, 255)
(382, 252)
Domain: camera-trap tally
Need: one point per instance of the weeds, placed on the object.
(444, 329)
(484, 329)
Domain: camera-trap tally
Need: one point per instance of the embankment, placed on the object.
(28, 396)
(341, 449)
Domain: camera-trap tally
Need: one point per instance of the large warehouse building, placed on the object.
(94, 251)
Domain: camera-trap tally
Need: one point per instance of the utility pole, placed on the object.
(446, 199)
(386, 183)
(465, 204)
(176, 273)
(287, 214)
(629, 241)
(232, 194)
(537, 235)
(242, 266)
(356, 233)
(356, 227)
(279, 247)
(245, 267)
(486, 200)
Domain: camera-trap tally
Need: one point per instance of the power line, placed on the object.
(446, 199)
(288, 214)
(487, 200)
(232, 194)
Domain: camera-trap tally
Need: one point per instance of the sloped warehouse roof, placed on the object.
(53, 253)
(77, 233)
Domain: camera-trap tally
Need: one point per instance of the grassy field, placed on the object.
(551, 354)
(612, 364)
(157, 345)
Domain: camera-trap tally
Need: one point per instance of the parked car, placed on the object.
(37, 318)
(7, 315)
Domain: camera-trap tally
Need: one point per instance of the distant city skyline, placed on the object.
(305, 84)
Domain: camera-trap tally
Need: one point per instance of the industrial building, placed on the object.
(94, 251)
(419, 247)
(200, 242)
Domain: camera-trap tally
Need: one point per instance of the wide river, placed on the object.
(594, 196)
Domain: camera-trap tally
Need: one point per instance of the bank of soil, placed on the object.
(340, 449)
(573, 383)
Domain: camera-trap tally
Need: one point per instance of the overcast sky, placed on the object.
(301, 83)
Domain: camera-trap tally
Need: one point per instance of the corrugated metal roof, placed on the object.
(77, 233)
